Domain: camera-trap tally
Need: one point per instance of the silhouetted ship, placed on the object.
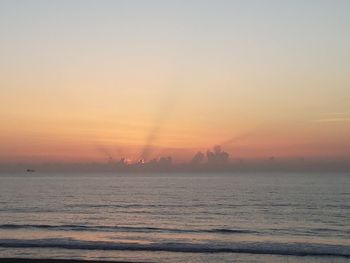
(30, 171)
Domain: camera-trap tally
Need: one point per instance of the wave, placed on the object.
(292, 249)
(125, 229)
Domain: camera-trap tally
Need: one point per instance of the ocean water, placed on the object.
(176, 217)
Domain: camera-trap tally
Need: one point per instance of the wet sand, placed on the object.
(33, 260)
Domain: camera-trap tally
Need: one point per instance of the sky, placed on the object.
(86, 81)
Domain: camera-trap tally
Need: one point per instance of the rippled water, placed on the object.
(177, 218)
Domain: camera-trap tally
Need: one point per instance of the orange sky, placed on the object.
(79, 83)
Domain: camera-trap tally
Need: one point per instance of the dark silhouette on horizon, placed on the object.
(215, 160)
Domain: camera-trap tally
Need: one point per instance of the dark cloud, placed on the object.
(198, 158)
(217, 156)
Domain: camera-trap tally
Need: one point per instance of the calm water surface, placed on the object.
(177, 218)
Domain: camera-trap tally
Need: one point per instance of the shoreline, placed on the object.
(46, 260)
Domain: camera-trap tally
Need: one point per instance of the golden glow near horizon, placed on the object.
(81, 81)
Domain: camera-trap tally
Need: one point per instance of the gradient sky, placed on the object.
(83, 80)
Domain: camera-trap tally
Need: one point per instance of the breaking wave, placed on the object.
(293, 249)
(125, 229)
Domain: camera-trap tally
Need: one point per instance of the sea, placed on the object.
(234, 217)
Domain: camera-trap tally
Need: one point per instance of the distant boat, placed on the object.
(30, 171)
